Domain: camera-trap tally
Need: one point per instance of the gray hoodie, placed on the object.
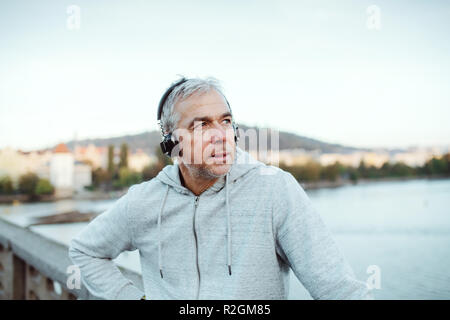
(237, 240)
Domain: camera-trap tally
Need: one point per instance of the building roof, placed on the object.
(61, 148)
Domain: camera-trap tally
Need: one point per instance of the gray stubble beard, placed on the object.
(203, 172)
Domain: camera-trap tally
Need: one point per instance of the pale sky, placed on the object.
(309, 67)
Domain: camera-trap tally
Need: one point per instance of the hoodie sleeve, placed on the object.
(93, 249)
(306, 244)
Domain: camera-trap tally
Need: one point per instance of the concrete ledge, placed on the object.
(48, 257)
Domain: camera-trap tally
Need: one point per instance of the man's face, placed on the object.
(206, 134)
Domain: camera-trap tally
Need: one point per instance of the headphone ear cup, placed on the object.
(168, 144)
(236, 133)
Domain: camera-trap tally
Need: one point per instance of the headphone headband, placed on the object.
(166, 95)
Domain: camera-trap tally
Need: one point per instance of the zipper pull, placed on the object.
(196, 201)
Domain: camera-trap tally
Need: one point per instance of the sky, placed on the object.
(329, 70)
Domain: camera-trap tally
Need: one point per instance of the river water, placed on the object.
(399, 229)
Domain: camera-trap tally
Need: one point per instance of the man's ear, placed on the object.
(180, 140)
(177, 150)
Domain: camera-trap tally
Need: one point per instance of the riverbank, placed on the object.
(85, 195)
(341, 182)
(23, 198)
(107, 195)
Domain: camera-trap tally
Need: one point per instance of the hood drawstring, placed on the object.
(228, 228)
(159, 232)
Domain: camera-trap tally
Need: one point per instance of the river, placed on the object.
(400, 227)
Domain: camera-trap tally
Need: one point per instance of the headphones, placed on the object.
(168, 142)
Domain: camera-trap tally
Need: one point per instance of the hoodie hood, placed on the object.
(170, 176)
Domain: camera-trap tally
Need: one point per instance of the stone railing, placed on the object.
(34, 267)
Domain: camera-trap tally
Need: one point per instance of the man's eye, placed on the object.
(228, 120)
(200, 125)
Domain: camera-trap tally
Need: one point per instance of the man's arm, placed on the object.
(306, 244)
(93, 249)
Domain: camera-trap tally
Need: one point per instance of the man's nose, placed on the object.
(218, 134)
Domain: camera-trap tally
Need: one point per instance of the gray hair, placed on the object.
(169, 119)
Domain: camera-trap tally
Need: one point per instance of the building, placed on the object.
(14, 163)
(138, 160)
(62, 170)
(66, 174)
(97, 157)
(376, 159)
(416, 156)
(82, 176)
(58, 166)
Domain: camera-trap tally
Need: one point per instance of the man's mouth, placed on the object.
(220, 155)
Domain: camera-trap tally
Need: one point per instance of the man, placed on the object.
(214, 225)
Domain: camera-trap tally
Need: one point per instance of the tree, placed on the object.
(123, 156)
(6, 185)
(111, 166)
(151, 171)
(373, 172)
(100, 177)
(401, 169)
(310, 172)
(353, 174)
(307, 172)
(28, 183)
(386, 169)
(446, 159)
(362, 169)
(44, 187)
(331, 172)
(127, 178)
(436, 166)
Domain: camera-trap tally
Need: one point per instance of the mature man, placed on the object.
(215, 225)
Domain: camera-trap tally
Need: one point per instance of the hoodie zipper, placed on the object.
(196, 246)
